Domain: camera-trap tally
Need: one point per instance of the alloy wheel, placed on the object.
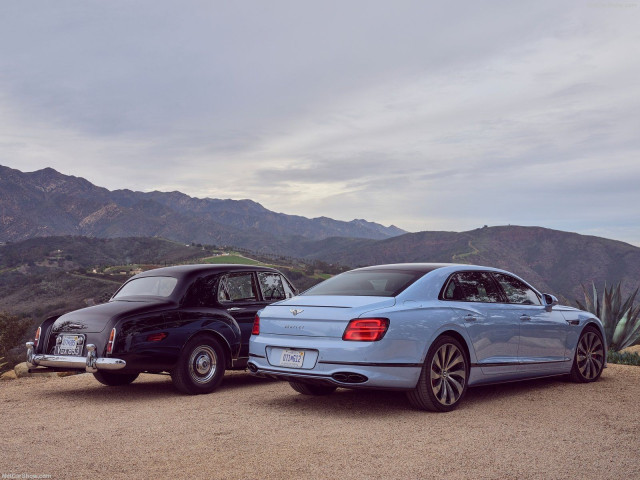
(448, 374)
(590, 355)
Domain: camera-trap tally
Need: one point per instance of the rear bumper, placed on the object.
(380, 365)
(347, 375)
(91, 363)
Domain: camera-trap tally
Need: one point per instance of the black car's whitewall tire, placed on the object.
(444, 377)
(201, 366)
(588, 361)
(115, 379)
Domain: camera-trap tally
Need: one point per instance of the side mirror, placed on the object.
(549, 301)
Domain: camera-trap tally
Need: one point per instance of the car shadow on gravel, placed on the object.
(375, 403)
(151, 386)
(243, 379)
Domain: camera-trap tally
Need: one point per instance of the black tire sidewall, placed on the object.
(576, 374)
(181, 376)
(423, 388)
(311, 389)
(115, 379)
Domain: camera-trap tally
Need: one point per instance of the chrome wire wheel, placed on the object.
(448, 374)
(202, 364)
(590, 355)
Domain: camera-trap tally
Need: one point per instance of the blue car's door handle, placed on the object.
(235, 309)
(470, 318)
(525, 318)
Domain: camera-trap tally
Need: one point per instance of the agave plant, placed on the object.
(621, 319)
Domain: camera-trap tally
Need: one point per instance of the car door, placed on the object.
(238, 295)
(543, 334)
(494, 333)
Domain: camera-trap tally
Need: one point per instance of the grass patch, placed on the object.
(623, 358)
(235, 259)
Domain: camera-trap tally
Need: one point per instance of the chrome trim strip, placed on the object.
(90, 363)
(512, 364)
(366, 364)
(292, 374)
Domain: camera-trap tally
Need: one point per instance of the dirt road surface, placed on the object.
(74, 427)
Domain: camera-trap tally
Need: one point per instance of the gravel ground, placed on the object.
(74, 427)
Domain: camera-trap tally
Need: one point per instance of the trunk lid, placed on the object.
(95, 319)
(317, 316)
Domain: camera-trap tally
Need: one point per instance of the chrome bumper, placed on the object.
(91, 363)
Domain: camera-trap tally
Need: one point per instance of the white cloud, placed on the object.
(424, 115)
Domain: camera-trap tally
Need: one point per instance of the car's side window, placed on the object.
(471, 287)
(288, 289)
(272, 287)
(237, 287)
(201, 293)
(517, 291)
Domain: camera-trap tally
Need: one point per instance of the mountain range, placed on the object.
(47, 203)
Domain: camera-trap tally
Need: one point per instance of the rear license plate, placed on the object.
(71, 345)
(292, 358)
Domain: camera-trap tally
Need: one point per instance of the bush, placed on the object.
(12, 332)
(621, 319)
(623, 358)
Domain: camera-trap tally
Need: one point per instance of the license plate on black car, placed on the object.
(71, 345)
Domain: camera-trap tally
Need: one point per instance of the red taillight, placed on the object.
(366, 329)
(256, 326)
(112, 338)
(157, 337)
(37, 337)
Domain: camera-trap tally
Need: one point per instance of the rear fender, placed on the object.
(460, 331)
(227, 332)
(46, 342)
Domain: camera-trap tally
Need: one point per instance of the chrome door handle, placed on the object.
(525, 318)
(470, 318)
(235, 309)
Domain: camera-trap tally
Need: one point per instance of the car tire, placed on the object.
(115, 379)
(312, 389)
(588, 361)
(441, 389)
(201, 366)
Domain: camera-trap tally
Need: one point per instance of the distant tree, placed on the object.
(12, 332)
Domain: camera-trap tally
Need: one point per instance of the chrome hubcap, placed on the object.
(448, 374)
(590, 355)
(202, 364)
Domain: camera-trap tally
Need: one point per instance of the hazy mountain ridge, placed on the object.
(46, 202)
(554, 261)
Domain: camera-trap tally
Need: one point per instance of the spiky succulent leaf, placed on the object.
(620, 318)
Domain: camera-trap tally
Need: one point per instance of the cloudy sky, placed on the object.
(428, 115)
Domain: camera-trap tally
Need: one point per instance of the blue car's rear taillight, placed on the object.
(366, 329)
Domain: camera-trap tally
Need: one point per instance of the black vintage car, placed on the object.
(192, 321)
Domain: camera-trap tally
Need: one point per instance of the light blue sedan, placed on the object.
(429, 329)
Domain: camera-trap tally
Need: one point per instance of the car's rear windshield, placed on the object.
(366, 283)
(148, 286)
